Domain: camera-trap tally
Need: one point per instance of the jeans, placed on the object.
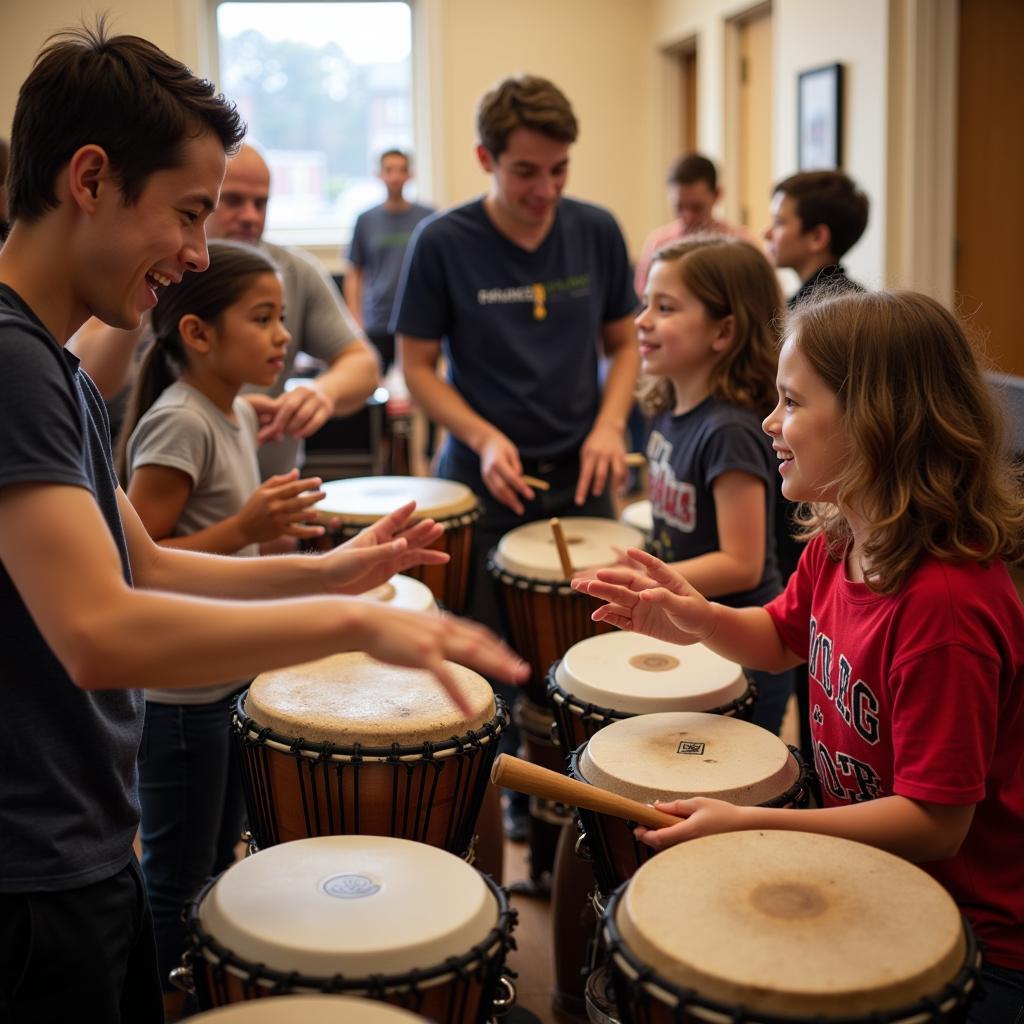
(80, 954)
(1002, 997)
(193, 811)
(773, 693)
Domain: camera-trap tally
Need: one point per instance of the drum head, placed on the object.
(633, 673)
(674, 755)
(351, 698)
(403, 592)
(638, 514)
(308, 1010)
(349, 905)
(530, 550)
(363, 500)
(792, 923)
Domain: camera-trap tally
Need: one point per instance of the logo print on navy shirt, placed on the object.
(674, 501)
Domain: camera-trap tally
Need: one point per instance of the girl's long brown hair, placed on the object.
(205, 295)
(729, 277)
(927, 465)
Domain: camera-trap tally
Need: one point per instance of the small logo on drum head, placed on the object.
(654, 662)
(350, 887)
(690, 747)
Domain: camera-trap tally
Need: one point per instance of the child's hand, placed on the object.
(652, 599)
(416, 640)
(375, 554)
(621, 558)
(703, 817)
(279, 507)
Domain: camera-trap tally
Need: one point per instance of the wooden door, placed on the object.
(755, 120)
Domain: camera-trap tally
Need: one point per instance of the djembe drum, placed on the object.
(369, 916)
(306, 1010)
(348, 745)
(773, 927)
(351, 505)
(402, 592)
(674, 756)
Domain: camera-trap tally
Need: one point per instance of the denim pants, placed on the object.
(192, 811)
(1001, 1000)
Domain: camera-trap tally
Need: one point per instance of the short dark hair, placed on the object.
(691, 168)
(118, 92)
(525, 101)
(830, 198)
(395, 152)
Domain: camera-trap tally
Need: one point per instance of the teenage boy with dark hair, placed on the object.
(693, 193)
(379, 240)
(117, 156)
(817, 217)
(522, 288)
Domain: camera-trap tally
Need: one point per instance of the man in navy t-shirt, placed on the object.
(524, 291)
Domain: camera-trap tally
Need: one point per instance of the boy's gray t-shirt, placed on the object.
(379, 240)
(184, 430)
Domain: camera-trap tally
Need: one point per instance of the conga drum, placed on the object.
(402, 592)
(613, 676)
(308, 1010)
(348, 745)
(544, 616)
(675, 756)
(358, 502)
(773, 927)
(605, 679)
(369, 916)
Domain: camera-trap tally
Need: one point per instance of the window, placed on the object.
(325, 87)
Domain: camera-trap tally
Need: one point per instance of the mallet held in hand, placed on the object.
(515, 773)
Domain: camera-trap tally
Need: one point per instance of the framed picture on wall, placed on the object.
(820, 118)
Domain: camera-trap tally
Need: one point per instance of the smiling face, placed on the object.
(126, 253)
(806, 428)
(247, 344)
(527, 179)
(678, 338)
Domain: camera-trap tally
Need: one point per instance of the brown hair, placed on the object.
(524, 102)
(233, 265)
(926, 464)
(691, 168)
(118, 92)
(729, 277)
(830, 198)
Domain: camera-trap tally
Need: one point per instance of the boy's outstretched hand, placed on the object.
(375, 554)
(650, 598)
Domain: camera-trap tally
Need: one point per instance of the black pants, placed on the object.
(81, 954)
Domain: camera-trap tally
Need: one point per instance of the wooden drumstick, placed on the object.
(563, 549)
(536, 483)
(515, 773)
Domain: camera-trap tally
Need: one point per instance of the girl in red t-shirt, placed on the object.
(888, 435)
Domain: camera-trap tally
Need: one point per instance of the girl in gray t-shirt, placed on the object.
(188, 452)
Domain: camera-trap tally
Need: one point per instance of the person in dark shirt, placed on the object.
(817, 217)
(117, 157)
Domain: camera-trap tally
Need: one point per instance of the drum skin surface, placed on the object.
(352, 698)
(402, 592)
(792, 923)
(676, 755)
(360, 501)
(308, 1010)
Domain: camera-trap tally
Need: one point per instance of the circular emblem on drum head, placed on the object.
(654, 662)
(350, 887)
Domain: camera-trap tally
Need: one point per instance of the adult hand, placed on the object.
(297, 413)
(702, 817)
(375, 554)
(428, 641)
(279, 507)
(602, 460)
(652, 599)
(502, 472)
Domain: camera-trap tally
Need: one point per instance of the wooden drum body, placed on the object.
(773, 927)
(544, 615)
(348, 745)
(369, 916)
(674, 756)
(607, 678)
(359, 502)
